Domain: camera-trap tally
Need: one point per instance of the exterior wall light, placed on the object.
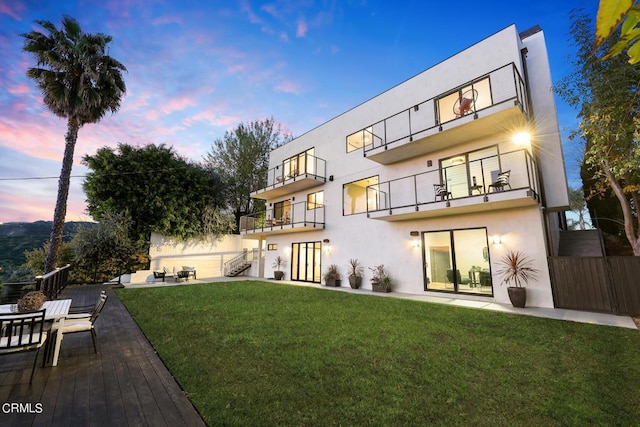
(522, 138)
(496, 240)
(414, 233)
(325, 241)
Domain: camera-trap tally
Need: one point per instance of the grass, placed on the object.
(258, 353)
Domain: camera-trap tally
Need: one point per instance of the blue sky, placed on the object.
(199, 68)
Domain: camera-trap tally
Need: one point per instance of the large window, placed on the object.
(305, 261)
(470, 174)
(466, 100)
(457, 261)
(300, 164)
(355, 198)
(315, 200)
(282, 212)
(360, 139)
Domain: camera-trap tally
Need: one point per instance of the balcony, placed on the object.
(292, 218)
(487, 105)
(470, 186)
(297, 173)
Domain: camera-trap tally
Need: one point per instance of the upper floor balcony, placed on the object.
(285, 217)
(470, 182)
(296, 173)
(489, 104)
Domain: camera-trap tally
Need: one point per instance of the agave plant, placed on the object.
(517, 268)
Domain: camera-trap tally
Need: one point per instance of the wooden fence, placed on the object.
(604, 284)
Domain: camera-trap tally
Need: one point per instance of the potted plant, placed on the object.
(516, 271)
(278, 263)
(331, 276)
(355, 273)
(381, 281)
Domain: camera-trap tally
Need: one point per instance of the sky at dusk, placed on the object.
(197, 69)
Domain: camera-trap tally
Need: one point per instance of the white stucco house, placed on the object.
(436, 178)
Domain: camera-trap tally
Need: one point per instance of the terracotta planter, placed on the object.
(518, 296)
(278, 275)
(355, 281)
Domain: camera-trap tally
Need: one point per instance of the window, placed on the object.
(469, 174)
(272, 247)
(355, 197)
(315, 200)
(457, 261)
(282, 212)
(466, 100)
(360, 139)
(299, 164)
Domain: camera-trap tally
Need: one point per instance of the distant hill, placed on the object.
(18, 237)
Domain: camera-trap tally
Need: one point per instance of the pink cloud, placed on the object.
(289, 87)
(302, 28)
(167, 20)
(245, 7)
(19, 89)
(177, 104)
(13, 10)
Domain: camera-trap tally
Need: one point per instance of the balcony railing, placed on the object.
(501, 86)
(467, 180)
(296, 173)
(295, 217)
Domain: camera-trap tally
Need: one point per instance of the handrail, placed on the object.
(418, 189)
(427, 115)
(245, 256)
(299, 213)
(313, 166)
(54, 282)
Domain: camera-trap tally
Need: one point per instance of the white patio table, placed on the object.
(57, 310)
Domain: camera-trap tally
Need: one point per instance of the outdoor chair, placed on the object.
(501, 181)
(159, 275)
(22, 332)
(441, 191)
(85, 312)
(72, 326)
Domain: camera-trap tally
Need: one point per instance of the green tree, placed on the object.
(578, 205)
(241, 158)
(79, 82)
(159, 190)
(607, 97)
(106, 250)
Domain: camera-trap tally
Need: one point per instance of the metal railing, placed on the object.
(235, 262)
(504, 85)
(465, 180)
(296, 214)
(305, 165)
(54, 282)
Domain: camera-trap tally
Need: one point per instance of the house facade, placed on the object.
(436, 178)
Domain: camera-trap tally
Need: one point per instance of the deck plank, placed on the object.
(124, 384)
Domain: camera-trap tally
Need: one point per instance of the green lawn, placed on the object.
(259, 353)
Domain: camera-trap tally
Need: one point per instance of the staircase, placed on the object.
(238, 265)
(581, 243)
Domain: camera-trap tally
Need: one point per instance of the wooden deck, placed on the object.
(124, 384)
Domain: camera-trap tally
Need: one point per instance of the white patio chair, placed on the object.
(22, 332)
(72, 326)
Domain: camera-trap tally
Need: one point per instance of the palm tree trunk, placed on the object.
(59, 215)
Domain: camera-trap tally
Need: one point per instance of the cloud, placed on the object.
(13, 10)
(18, 89)
(301, 28)
(177, 104)
(245, 7)
(289, 87)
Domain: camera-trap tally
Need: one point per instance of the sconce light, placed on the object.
(414, 233)
(415, 243)
(325, 241)
(496, 240)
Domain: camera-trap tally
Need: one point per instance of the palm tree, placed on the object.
(79, 82)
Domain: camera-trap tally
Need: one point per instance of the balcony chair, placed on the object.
(72, 326)
(464, 104)
(22, 332)
(85, 312)
(441, 191)
(501, 181)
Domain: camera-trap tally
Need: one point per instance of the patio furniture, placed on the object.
(85, 312)
(501, 181)
(441, 191)
(159, 275)
(86, 324)
(23, 332)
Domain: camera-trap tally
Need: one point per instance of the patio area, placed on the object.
(124, 384)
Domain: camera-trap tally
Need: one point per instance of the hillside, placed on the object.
(18, 237)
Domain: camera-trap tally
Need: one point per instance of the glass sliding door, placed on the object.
(306, 261)
(457, 261)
